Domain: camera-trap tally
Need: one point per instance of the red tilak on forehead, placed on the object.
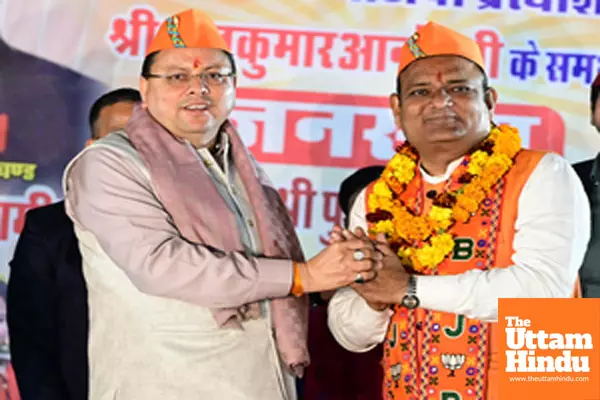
(439, 76)
(196, 63)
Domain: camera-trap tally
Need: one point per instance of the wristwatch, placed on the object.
(410, 299)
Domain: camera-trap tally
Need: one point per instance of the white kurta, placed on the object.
(551, 237)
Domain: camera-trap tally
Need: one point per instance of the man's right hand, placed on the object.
(339, 235)
(336, 266)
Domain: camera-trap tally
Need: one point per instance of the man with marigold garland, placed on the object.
(463, 216)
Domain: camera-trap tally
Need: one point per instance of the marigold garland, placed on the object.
(424, 241)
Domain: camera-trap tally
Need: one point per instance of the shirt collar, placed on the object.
(221, 149)
(434, 180)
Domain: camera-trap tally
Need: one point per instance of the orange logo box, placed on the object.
(549, 349)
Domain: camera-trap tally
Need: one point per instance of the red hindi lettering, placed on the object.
(302, 188)
(7, 208)
(549, 135)
(368, 51)
(249, 121)
(332, 213)
(19, 221)
(304, 128)
(378, 134)
(347, 131)
(258, 127)
(325, 49)
(299, 132)
(288, 44)
(352, 60)
(395, 52)
(253, 46)
(372, 49)
(36, 199)
(126, 33)
(4, 219)
(291, 42)
(490, 45)
(119, 29)
(385, 54)
(283, 194)
(226, 32)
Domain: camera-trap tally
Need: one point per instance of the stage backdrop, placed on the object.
(314, 80)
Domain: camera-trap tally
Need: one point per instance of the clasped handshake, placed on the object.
(370, 267)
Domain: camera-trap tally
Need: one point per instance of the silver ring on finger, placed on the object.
(359, 278)
(358, 255)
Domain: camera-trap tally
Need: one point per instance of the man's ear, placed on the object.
(396, 107)
(491, 99)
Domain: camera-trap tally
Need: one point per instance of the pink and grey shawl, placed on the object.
(189, 195)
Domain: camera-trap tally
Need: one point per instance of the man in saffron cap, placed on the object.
(589, 173)
(464, 216)
(196, 280)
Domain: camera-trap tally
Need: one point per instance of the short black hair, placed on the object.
(353, 184)
(151, 58)
(148, 63)
(109, 99)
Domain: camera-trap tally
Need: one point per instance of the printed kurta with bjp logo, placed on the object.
(436, 355)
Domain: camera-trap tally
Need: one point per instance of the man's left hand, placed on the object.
(390, 285)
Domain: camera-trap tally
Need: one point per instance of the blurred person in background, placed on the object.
(47, 297)
(8, 380)
(589, 173)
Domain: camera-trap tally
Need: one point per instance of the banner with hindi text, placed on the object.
(314, 81)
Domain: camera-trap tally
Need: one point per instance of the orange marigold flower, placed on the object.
(474, 191)
(460, 214)
(485, 167)
(467, 203)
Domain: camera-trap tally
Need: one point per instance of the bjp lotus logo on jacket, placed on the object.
(396, 371)
(453, 362)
